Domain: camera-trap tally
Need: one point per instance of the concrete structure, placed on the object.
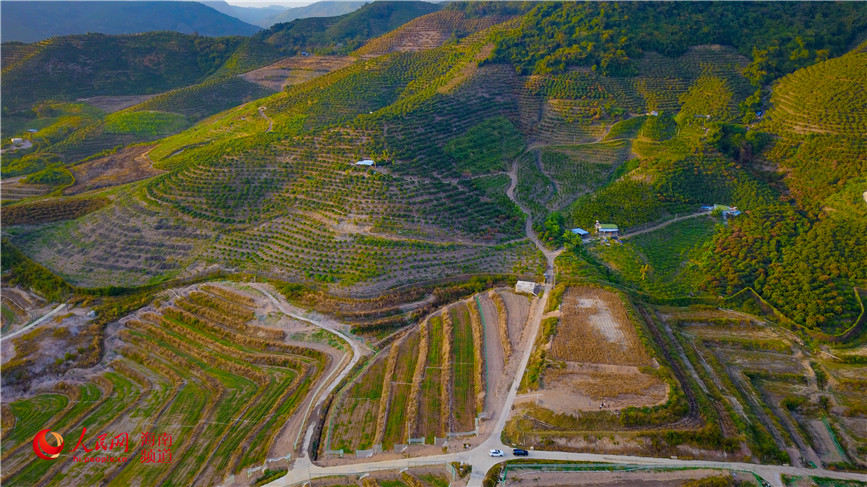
(527, 287)
(365, 162)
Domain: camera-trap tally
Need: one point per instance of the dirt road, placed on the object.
(35, 323)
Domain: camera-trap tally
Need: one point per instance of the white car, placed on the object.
(496, 453)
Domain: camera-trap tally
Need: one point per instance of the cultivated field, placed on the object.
(430, 382)
(295, 70)
(211, 365)
(124, 166)
(550, 477)
(804, 407)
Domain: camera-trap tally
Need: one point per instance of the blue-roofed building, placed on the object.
(584, 234)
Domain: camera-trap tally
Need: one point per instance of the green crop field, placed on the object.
(182, 369)
(414, 407)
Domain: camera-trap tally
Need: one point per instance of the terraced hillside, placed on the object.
(279, 202)
(818, 146)
(794, 405)
(211, 366)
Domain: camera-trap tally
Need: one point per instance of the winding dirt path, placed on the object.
(663, 224)
(266, 117)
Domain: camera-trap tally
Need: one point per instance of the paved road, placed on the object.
(35, 323)
(481, 461)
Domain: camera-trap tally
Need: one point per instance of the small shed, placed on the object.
(527, 287)
(727, 211)
(607, 229)
(365, 162)
(584, 234)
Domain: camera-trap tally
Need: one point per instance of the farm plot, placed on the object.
(124, 166)
(596, 359)
(15, 189)
(793, 406)
(192, 366)
(430, 382)
(414, 477)
(295, 70)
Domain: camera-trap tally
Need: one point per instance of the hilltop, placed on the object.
(315, 9)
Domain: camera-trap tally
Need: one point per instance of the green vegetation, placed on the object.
(666, 262)
(344, 33)
(29, 274)
(204, 99)
(486, 147)
(53, 176)
(609, 38)
(660, 127)
(152, 63)
(147, 123)
(184, 366)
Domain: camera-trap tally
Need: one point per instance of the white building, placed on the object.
(365, 162)
(526, 287)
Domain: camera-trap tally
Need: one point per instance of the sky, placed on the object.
(265, 3)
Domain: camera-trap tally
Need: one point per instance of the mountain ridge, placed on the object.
(37, 21)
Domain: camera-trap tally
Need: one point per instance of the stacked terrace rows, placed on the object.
(779, 395)
(274, 190)
(129, 241)
(428, 31)
(659, 83)
(193, 369)
(431, 382)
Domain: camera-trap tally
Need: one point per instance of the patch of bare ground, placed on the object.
(586, 387)
(116, 103)
(671, 478)
(597, 359)
(519, 309)
(124, 166)
(496, 379)
(296, 70)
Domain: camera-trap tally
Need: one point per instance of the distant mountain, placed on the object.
(318, 9)
(260, 16)
(35, 21)
(69, 67)
(344, 33)
(77, 66)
